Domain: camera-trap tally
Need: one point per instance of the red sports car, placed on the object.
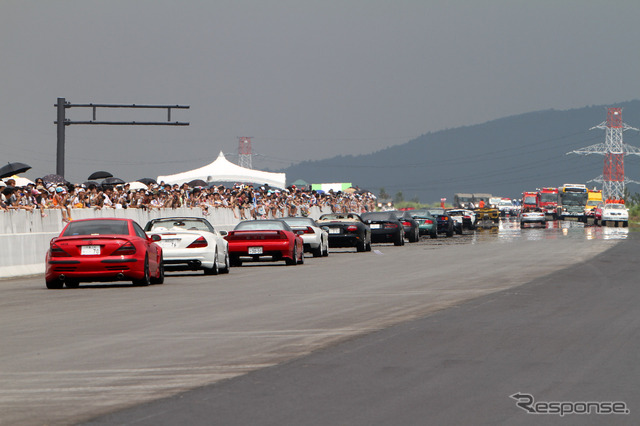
(107, 249)
(257, 239)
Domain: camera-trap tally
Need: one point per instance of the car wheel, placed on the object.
(360, 246)
(399, 240)
(433, 234)
(367, 246)
(213, 270)
(54, 284)
(227, 264)
(301, 261)
(325, 252)
(450, 232)
(160, 278)
(294, 258)
(413, 237)
(317, 252)
(146, 280)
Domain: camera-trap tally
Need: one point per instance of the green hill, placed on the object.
(503, 157)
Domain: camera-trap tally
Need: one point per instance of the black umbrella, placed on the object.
(113, 181)
(54, 179)
(100, 175)
(197, 182)
(92, 182)
(13, 169)
(148, 181)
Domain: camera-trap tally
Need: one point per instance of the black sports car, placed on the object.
(445, 222)
(346, 230)
(385, 227)
(411, 226)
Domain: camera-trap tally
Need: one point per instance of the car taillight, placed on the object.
(199, 243)
(390, 225)
(428, 221)
(406, 223)
(309, 230)
(445, 218)
(466, 217)
(352, 228)
(126, 249)
(56, 251)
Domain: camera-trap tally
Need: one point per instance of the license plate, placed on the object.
(255, 250)
(168, 243)
(335, 231)
(89, 250)
(375, 226)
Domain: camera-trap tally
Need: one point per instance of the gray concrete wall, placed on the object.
(25, 236)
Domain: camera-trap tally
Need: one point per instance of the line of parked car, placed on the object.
(115, 249)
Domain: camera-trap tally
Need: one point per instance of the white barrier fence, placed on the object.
(25, 236)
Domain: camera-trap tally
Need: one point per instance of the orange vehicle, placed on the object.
(594, 198)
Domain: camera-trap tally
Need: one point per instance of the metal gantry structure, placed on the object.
(614, 149)
(244, 152)
(62, 105)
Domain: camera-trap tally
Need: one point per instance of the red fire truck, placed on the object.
(529, 201)
(548, 201)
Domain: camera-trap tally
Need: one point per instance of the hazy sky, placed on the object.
(305, 79)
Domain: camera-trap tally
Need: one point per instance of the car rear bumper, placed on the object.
(344, 240)
(275, 249)
(186, 257)
(90, 270)
(383, 236)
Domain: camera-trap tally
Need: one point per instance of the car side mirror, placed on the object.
(223, 233)
(325, 228)
(156, 237)
(300, 232)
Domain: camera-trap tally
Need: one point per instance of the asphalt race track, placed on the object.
(420, 334)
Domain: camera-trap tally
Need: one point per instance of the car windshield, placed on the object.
(378, 216)
(574, 198)
(179, 224)
(417, 213)
(339, 216)
(436, 211)
(397, 213)
(97, 227)
(299, 221)
(507, 203)
(546, 197)
(529, 199)
(262, 225)
(615, 206)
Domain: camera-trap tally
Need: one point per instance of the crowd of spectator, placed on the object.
(246, 201)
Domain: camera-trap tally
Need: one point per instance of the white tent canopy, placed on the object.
(222, 170)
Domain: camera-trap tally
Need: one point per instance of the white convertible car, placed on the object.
(191, 243)
(314, 239)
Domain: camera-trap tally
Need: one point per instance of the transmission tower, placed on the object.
(244, 152)
(614, 150)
